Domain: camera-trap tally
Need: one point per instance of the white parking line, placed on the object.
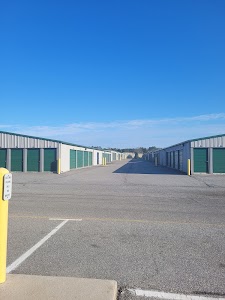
(169, 296)
(54, 219)
(24, 256)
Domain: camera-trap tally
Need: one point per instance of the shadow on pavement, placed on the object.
(139, 166)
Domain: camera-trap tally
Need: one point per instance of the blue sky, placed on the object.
(113, 73)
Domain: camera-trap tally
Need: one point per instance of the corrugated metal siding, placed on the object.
(166, 156)
(207, 143)
(14, 141)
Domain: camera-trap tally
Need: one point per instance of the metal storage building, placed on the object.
(25, 153)
(207, 155)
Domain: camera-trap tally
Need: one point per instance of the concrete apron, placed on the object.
(27, 287)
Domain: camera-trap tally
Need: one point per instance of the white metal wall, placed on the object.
(95, 157)
(65, 155)
(185, 147)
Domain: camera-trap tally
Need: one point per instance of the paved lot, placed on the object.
(145, 227)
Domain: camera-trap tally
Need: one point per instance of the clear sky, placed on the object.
(120, 73)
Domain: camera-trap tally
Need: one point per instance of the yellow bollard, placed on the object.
(58, 166)
(3, 227)
(189, 167)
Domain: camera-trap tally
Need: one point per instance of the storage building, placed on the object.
(207, 155)
(27, 153)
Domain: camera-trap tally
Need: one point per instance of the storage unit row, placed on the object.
(24, 153)
(22, 160)
(207, 155)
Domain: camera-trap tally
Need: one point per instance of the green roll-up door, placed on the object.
(33, 160)
(73, 159)
(50, 163)
(218, 160)
(85, 159)
(2, 158)
(80, 162)
(90, 158)
(17, 160)
(201, 160)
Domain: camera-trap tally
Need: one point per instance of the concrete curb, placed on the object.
(26, 287)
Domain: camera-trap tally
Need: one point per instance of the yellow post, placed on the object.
(59, 166)
(105, 161)
(3, 228)
(189, 167)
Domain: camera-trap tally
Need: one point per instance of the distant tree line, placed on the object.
(141, 150)
(138, 150)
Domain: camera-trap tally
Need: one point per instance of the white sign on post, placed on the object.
(7, 189)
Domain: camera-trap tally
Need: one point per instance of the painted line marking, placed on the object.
(53, 219)
(28, 253)
(126, 220)
(169, 296)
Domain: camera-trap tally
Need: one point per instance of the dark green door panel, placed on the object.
(80, 159)
(50, 163)
(90, 158)
(218, 160)
(33, 160)
(201, 160)
(2, 158)
(85, 158)
(73, 159)
(17, 160)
